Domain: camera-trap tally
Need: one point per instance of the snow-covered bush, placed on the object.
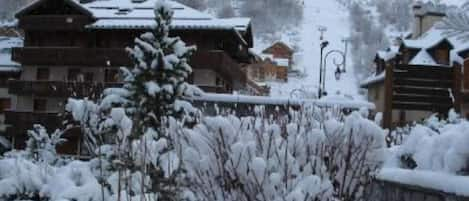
(435, 146)
(228, 158)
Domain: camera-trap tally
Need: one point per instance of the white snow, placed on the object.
(440, 152)
(423, 58)
(282, 62)
(373, 79)
(6, 63)
(330, 101)
(333, 16)
(445, 182)
(119, 14)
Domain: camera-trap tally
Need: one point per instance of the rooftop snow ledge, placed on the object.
(439, 181)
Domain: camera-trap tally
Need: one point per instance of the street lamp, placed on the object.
(324, 44)
(338, 70)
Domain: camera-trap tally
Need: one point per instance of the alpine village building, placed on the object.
(74, 48)
(273, 64)
(422, 74)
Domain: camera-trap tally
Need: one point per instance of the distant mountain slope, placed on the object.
(334, 16)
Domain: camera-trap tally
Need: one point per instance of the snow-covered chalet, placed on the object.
(422, 74)
(75, 47)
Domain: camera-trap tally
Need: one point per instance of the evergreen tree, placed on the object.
(148, 101)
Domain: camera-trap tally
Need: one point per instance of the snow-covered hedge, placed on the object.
(434, 145)
(224, 157)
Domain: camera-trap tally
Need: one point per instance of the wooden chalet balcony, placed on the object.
(22, 121)
(57, 88)
(77, 56)
(220, 62)
(215, 89)
(54, 22)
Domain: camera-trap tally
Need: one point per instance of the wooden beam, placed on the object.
(434, 84)
(457, 85)
(425, 74)
(423, 99)
(388, 97)
(421, 91)
(422, 107)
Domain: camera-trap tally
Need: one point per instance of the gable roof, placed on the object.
(423, 58)
(29, 7)
(281, 44)
(128, 14)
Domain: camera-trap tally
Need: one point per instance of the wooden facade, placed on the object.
(416, 87)
(281, 50)
(60, 46)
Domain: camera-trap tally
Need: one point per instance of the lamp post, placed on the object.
(338, 71)
(324, 44)
(322, 29)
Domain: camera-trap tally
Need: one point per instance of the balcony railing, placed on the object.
(58, 88)
(220, 62)
(54, 22)
(77, 56)
(22, 121)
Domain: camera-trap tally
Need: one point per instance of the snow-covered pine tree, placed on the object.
(153, 89)
(158, 78)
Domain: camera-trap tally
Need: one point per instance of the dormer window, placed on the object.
(442, 56)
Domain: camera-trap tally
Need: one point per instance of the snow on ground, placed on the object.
(332, 15)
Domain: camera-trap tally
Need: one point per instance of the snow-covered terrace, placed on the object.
(6, 64)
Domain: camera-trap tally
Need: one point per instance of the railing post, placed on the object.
(388, 91)
(457, 85)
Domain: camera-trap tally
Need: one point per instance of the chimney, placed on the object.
(425, 16)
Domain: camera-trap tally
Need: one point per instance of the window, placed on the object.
(402, 117)
(377, 92)
(42, 74)
(40, 105)
(442, 56)
(74, 74)
(219, 81)
(89, 77)
(466, 74)
(111, 75)
(5, 104)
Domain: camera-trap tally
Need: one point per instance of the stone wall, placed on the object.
(390, 191)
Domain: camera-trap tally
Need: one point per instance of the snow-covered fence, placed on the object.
(213, 104)
(419, 187)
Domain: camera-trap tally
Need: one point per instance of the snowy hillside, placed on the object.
(332, 15)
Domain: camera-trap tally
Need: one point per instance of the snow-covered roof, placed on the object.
(374, 79)
(6, 64)
(423, 58)
(238, 24)
(126, 14)
(387, 55)
(430, 39)
(282, 62)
